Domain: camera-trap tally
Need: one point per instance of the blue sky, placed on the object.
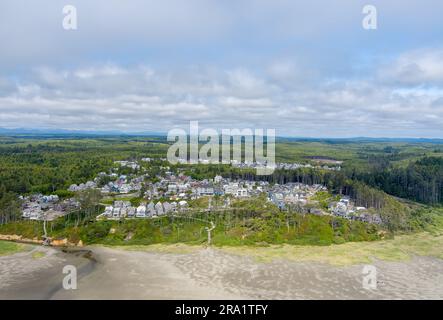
(305, 68)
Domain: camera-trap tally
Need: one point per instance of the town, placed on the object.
(171, 193)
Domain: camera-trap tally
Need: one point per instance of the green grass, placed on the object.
(38, 255)
(400, 248)
(25, 228)
(7, 247)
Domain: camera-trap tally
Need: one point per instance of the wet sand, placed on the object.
(209, 274)
(38, 274)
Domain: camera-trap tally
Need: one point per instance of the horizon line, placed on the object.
(48, 131)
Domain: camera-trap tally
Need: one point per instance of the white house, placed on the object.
(131, 212)
(116, 212)
(218, 179)
(167, 207)
(141, 211)
(123, 212)
(231, 188)
(108, 211)
(242, 192)
(159, 208)
(151, 209)
(183, 204)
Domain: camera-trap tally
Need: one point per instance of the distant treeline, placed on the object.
(421, 181)
(48, 167)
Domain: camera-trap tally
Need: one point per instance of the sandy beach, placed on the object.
(112, 273)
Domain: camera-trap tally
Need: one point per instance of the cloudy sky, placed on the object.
(305, 68)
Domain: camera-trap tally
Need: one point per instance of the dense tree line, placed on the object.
(9, 206)
(49, 166)
(421, 180)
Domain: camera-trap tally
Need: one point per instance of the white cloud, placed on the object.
(306, 69)
(141, 98)
(419, 67)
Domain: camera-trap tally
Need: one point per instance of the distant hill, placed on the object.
(65, 132)
(23, 132)
(360, 139)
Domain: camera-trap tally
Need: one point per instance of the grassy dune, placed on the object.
(399, 249)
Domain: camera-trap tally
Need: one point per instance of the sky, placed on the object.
(303, 68)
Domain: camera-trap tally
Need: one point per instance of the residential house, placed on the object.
(159, 208)
(151, 209)
(141, 211)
